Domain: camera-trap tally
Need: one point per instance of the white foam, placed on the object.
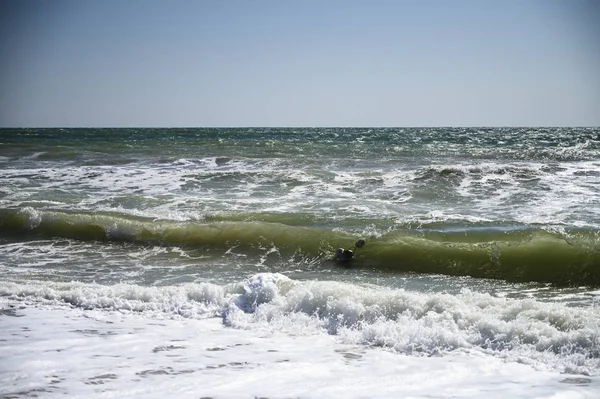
(187, 189)
(544, 335)
(55, 352)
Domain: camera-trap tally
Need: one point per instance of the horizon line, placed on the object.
(310, 127)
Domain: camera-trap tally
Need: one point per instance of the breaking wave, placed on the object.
(527, 253)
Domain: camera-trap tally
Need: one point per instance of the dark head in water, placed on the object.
(344, 255)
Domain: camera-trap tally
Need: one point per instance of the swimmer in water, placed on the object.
(346, 255)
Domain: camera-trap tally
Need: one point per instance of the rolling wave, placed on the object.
(527, 253)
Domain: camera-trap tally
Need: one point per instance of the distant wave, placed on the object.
(532, 253)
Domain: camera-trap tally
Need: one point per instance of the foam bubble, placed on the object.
(33, 217)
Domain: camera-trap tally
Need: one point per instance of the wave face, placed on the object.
(565, 257)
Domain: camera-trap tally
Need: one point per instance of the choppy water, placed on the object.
(482, 247)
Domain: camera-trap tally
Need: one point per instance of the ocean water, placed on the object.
(201, 263)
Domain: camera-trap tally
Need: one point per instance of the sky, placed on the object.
(147, 63)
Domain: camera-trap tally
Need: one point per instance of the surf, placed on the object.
(564, 257)
(417, 324)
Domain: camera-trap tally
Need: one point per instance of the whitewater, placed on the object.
(201, 263)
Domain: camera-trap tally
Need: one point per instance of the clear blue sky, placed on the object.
(299, 63)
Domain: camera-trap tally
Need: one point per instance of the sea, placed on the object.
(201, 263)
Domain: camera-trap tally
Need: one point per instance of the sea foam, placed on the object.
(544, 335)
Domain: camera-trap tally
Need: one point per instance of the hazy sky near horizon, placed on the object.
(146, 63)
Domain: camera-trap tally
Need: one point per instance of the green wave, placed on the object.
(220, 234)
(526, 254)
(540, 256)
